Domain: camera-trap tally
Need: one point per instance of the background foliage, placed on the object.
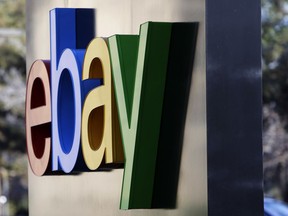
(13, 160)
(275, 97)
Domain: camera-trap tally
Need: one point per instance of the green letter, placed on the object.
(139, 65)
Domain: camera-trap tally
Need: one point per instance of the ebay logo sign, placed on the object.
(101, 103)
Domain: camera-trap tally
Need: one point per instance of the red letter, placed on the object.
(38, 117)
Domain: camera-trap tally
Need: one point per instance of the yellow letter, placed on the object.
(100, 127)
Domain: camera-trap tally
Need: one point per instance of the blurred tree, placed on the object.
(275, 53)
(14, 60)
(12, 13)
(12, 75)
(275, 97)
(13, 160)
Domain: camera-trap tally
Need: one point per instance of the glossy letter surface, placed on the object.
(38, 117)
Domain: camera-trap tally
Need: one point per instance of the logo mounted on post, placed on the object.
(96, 95)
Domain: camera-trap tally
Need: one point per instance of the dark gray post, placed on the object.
(234, 107)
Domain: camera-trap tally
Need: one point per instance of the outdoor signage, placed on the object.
(96, 95)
